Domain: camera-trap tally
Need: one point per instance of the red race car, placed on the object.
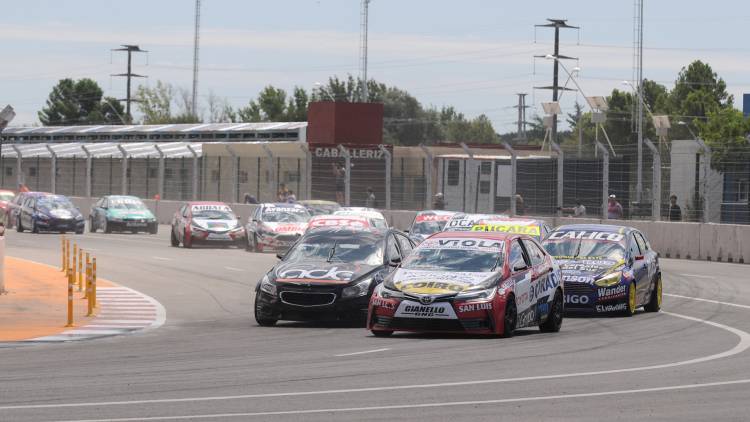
(206, 222)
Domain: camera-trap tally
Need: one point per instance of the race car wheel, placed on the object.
(173, 240)
(381, 333)
(106, 228)
(248, 244)
(92, 228)
(19, 226)
(257, 247)
(510, 318)
(654, 303)
(263, 322)
(34, 228)
(555, 317)
(79, 231)
(153, 229)
(631, 304)
(187, 241)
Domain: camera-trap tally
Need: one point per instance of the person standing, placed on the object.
(578, 211)
(370, 202)
(340, 174)
(439, 203)
(674, 213)
(614, 209)
(290, 198)
(282, 194)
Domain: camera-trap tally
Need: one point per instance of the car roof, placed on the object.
(436, 212)
(606, 228)
(477, 235)
(281, 205)
(349, 230)
(316, 202)
(191, 203)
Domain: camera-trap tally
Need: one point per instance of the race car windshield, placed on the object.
(352, 248)
(55, 203)
(453, 260)
(427, 227)
(214, 215)
(127, 204)
(279, 216)
(582, 248)
(378, 223)
(6, 196)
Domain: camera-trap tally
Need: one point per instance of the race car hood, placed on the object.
(587, 269)
(322, 272)
(60, 213)
(286, 228)
(117, 213)
(215, 225)
(422, 282)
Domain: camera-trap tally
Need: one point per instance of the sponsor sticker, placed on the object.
(527, 318)
(432, 217)
(472, 307)
(462, 243)
(332, 274)
(611, 308)
(586, 235)
(606, 293)
(331, 221)
(212, 207)
(577, 299)
(531, 229)
(382, 303)
(429, 287)
(440, 310)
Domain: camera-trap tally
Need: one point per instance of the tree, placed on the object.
(725, 131)
(698, 90)
(156, 104)
(79, 103)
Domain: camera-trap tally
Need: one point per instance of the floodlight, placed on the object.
(552, 108)
(7, 115)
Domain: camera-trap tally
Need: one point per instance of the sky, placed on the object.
(475, 55)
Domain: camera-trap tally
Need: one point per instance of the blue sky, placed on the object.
(473, 54)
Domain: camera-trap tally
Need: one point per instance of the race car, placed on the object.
(606, 269)
(319, 207)
(427, 223)
(329, 274)
(205, 223)
(537, 229)
(6, 198)
(275, 227)
(337, 221)
(377, 219)
(14, 207)
(470, 282)
(121, 213)
(49, 212)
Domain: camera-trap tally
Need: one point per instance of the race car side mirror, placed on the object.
(639, 258)
(280, 256)
(519, 266)
(394, 262)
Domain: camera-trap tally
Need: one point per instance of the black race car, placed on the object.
(329, 274)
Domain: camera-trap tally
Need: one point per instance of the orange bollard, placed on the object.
(67, 254)
(62, 252)
(89, 294)
(93, 282)
(80, 270)
(88, 277)
(75, 261)
(70, 298)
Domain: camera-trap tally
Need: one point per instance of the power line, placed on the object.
(196, 43)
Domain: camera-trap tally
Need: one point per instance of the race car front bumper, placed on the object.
(60, 225)
(315, 303)
(210, 236)
(586, 298)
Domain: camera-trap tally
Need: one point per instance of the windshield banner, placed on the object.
(586, 235)
(210, 207)
(484, 245)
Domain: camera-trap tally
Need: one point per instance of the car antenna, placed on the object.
(333, 251)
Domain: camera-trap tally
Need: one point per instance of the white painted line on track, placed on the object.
(424, 405)
(710, 277)
(361, 353)
(161, 258)
(708, 300)
(234, 269)
(740, 347)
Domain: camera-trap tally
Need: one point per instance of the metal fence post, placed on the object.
(470, 163)
(347, 175)
(235, 170)
(513, 170)
(195, 171)
(124, 169)
(656, 183)
(388, 160)
(560, 164)
(308, 170)
(160, 178)
(88, 170)
(53, 178)
(19, 166)
(706, 173)
(605, 178)
(271, 173)
(428, 176)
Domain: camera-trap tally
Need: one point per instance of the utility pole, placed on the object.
(521, 134)
(363, 49)
(638, 76)
(196, 46)
(129, 75)
(557, 24)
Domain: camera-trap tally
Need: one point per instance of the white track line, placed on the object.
(708, 300)
(234, 269)
(424, 405)
(740, 347)
(361, 353)
(710, 277)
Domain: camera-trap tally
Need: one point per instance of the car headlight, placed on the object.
(359, 289)
(79, 217)
(609, 280)
(387, 293)
(477, 294)
(267, 287)
(115, 220)
(42, 216)
(193, 227)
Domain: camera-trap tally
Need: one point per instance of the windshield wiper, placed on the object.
(578, 249)
(333, 251)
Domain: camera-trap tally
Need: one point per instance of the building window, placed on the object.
(153, 172)
(32, 172)
(486, 167)
(242, 176)
(453, 169)
(743, 190)
(215, 175)
(484, 187)
(9, 171)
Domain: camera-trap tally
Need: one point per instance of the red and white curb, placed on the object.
(121, 311)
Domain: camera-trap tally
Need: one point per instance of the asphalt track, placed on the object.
(211, 362)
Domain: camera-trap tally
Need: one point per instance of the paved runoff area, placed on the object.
(210, 361)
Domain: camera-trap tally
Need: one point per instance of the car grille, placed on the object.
(422, 324)
(579, 288)
(475, 324)
(307, 299)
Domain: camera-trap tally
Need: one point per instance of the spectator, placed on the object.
(283, 192)
(340, 174)
(520, 208)
(614, 209)
(439, 203)
(674, 213)
(370, 202)
(290, 198)
(578, 211)
(250, 199)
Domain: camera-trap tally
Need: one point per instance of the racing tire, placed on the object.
(510, 318)
(256, 246)
(555, 318)
(631, 304)
(173, 240)
(248, 245)
(654, 303)
(79, 231)
(263, 322)
(187, 242)
(92, 228)
(19, 226)
(34, 228)
(154, 229)
(106, 228)
(382, 333)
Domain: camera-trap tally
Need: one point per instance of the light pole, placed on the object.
(319, 87)
(684, 123)
(639, 168)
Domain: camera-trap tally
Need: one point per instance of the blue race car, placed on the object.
(606, 269)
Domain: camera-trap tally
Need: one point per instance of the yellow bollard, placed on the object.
(67, 254)
(70, 298)
(80, 270)
(88, 277)
(62, 251)
(93, 282)
(75, 261)
(89, 294)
